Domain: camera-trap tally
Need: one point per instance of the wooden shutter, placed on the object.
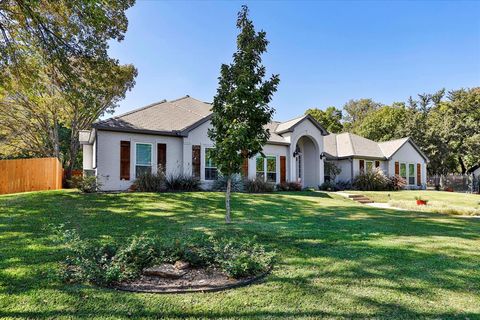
(245, 168)
(283, 169)
(124, 160)
(362, 166)
(377, 164)
(196, 158)
(397, 168)
(419, 174)
(162, 156)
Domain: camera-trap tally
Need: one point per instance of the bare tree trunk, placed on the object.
(462, 165)
(227, 199)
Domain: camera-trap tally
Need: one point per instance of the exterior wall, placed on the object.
(346, 166)
(476, 173)
(104, 155)
(315, 168)
(108, 156)
(198, 136)
(87, 156)
(408, 154)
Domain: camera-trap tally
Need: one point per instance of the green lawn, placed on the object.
(337, 259)
(438, 201)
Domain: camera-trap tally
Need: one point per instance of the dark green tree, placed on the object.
(383, 124)
(356, 110)
(330, 118)
(240, 107)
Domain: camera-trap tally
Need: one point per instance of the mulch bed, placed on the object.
(194, 280)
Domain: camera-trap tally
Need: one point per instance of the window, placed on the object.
(267, 168)
(369, 166)
(260, 167)
(403, 170)
(210, 166)
(271, 169)
(143, 158)
(411, 174)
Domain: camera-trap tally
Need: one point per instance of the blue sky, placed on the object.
(325, 52)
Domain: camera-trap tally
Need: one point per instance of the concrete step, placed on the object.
(363, 201)
(354, 196)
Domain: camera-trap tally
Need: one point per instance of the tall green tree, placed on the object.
(330, 118)
(240, 107)
(356, 110)
(384, 123)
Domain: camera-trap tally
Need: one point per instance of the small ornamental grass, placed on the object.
(105, 264)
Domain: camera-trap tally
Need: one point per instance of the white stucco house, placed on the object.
(172, 136)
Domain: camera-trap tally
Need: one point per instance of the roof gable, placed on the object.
(346, 145)
(289, 126)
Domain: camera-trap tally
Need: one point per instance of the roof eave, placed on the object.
(175, 133)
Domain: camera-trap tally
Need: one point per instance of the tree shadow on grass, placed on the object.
(325, 246)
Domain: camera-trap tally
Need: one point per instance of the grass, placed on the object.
(337, 259)
(438, 201)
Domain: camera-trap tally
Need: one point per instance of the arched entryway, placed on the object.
(307, 162)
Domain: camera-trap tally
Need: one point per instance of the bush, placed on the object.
(258, 186)
(182, 182)
(149, 182)
(396, 183)
(242, 258)
(107, 264)
(343, 185)
(328, 186)
(289, 186)
(221, 183)
(374, 180)
(86, 184)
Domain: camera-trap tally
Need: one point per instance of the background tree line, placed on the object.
(445, 125)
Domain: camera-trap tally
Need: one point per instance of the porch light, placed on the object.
(322, 155)
(297, 153)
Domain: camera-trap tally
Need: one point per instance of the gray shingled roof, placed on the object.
(164, 116)
(345, 145)
(170, 117)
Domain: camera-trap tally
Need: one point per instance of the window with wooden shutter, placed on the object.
(162, 157)
(196, 161)
(419, 174)
(283, 169)
(245, 168)
(397, 168)
(362, 166)
(124, 160)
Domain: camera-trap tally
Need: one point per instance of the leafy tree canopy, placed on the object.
(330, 118)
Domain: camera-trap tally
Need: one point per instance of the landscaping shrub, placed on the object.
(396, 183)
(371, 181)
(242, 258)
(343, 185)
(328, 186)
(86, 184)
(258, 186)
(182, 182)
(149, 182)
(289, 186)
(221, 183)
(108, 263)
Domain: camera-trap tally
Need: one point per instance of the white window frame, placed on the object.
(366, 165)
(265, 172)
(414, 174)
(151, 158)
(205, 165)
(266, 168)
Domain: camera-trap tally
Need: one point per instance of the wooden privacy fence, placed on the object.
(37, 174)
